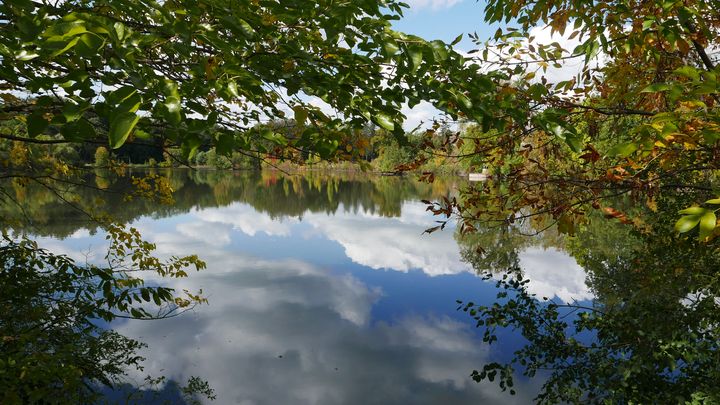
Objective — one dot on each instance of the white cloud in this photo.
(80, 247)
(568, 69)
(431, 4)
(398, 244)
(421, 116)
(80, 233)
(380, 243)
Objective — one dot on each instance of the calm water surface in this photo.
(322, 289)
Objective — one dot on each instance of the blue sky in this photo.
(445, 20)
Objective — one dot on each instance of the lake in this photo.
(322, 289)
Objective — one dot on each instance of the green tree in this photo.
(641, 112)
(649, 336)
(102, 157)
(391, 155)
(53, 349)
(640, 120)
(206, 72)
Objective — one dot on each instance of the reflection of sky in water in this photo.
(344, 308)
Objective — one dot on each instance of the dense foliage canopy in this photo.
(54, 349)
(640, 113)
(650, 335)
(640, 120)
(206, 72)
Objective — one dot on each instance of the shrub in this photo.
(102, 157)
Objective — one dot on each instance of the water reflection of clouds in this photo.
(81, 246)
(244, 218)
(554, 273)
(392, 243)
(396, 244)
(206, 232)
(288, 332)
(370, 240)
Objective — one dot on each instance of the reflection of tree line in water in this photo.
(650, 335)
(42, 211)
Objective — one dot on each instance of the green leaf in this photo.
(570, 138)
(693, 211)
(78, 131)
(64, 30)
(25, 56)
(656, 87)
(119, 95)
(72, 112)
(416, 57)
(225, 143)
(190, 145)
(715, 201)
(274, 137)
(574, 141)
(140, 134)
(326, 147)
(36, 124)
(119, 29)
(120, 128)
(30, 27)
(689, 72)
(707, 224)
(233, 89)
(464, 101)
(245, 28)
(170, 88)
(457, 40)
(385, 121)
(623, 149)
(212, 118)
(439, 50)
(89, 45)
(107, 289)
(686, 223)
(238, 26)
(130, 104)
(172, 110)
(300, 114)
(537, 91)
(391, 47)
(67, 47)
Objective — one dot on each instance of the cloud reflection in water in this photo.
(293, 331)
(288, 332)
(395, 244)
